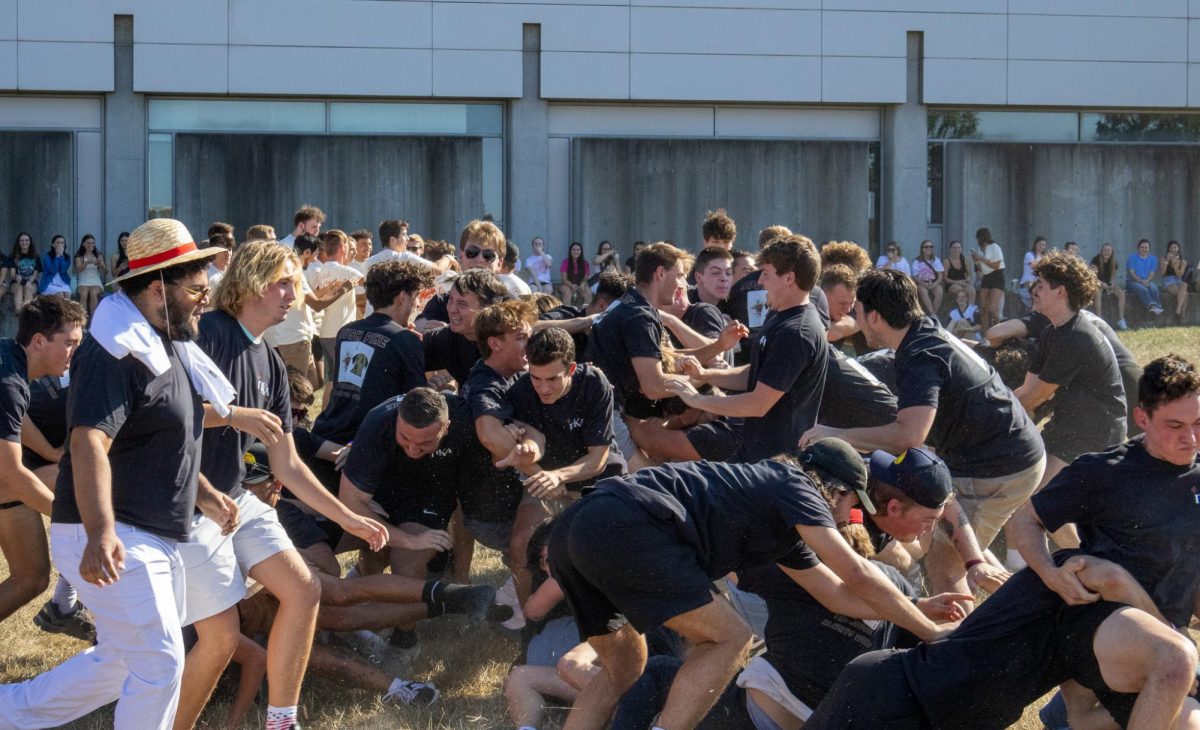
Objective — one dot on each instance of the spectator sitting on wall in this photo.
(1105, 265)
(1170, 273)
(1140, 269)
(930, 276)
(893, 258)
(1035, 253)
(958, 274)
(963, 317)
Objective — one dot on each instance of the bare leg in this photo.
(720, 641)
(217, 640)
(525, 689)
(777, 712)
(926, 304)
(410, 563)
(530, 514)
(1139, 654)
(23, 543)
(288, 579)
(938, 293)
(252, 658)
(345, 667)
(578, 666)
(660, 442)
(1120, 302)
(622, 660)
(370, 616)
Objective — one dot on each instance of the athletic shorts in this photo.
(306, 530)
(716, 440)
(990, 501)
(495, 535)
(210, 570)
(994, 280)
(616, 563)
(32, 460)
(871, 692)
(1077, 628)
(259, 534)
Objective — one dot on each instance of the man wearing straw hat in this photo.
(127, 488)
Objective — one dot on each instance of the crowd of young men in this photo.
(652, 465)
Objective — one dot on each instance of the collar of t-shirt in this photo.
(249, 336)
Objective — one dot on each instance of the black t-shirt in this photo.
(566, 311)
(980, 429)
(14, 382)
(156, 425)
(705, 319)
(1138, 511)
(742, 300)
(789, 354)
(260, 379)
(808, 644)
(734, 515)
(693, 295)
(48, 408)
(446, 350)
(376, 359)
(881, 364)
(435, 309)
(631, 329)
(489, 494)
(400, 484)
(853, 396)
(1036, 322)
(581, 418)
(1089, 404)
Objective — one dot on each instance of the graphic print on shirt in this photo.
(352, 367)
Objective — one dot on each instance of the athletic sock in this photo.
(431, 596)
(65, 598)
(280, 718)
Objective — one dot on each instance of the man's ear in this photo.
(572, 368)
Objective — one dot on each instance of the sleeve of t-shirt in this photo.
(368, 465)
(706, 320)
(489, 401)
(918, 382)
(642, 336)
(597, 426)
(12, 409)
(101, 397)
(1035, 323)
(800, 557)
(788, 357)
(1067, 498)
(937, 266)
(435, 309)
(410, 362)
(1058, 362)
(437, 352)
(563, 268)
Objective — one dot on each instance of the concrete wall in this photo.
(433, 182)
(36, 190)
(1021, 52)
(1090, 194)
(643, 189)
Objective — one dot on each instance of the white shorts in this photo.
(623, 438)
(259, 534)
(760, 675)
(210, 569)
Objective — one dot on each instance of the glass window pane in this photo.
(237, 116)
(933, 205)
(1141, 127)
(160, 180)
(1035, 126)
(493, 176)
(367, 118)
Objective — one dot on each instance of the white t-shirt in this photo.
(901, 265)
(993, 252)
(298, 326)
(360, 267)
(1027, 274)
(515, 285)
(970, 314)
(539, 268)
(343, 311)
(388, 254)
(288, 242)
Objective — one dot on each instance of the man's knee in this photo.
(302, 587)
(30, 582)
(516, 682)
(1173, 660)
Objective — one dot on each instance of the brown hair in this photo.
(483, 233)
(718, 225)
(1059, 268)
(260, 232)
(47, 315)
(770, 233)
(836, 274)
(794, 254)
(847, 253)
(307, 213)
(332, 240)
(1166, 379)
(550, 344)
(499, 319)
(650, 258)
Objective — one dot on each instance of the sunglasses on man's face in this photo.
(197, 295)
(474, 252)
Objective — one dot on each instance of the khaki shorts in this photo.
(989, 502)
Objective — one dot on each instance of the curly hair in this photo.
(848, 253)
(770, 233)
(1062, 269)
(1166, 379)
(718, 226)
(389, 279)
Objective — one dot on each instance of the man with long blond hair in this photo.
(255, 294)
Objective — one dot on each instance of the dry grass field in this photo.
(468, 665)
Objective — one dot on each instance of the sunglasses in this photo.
(197, 295)
(474, 252)
(416, 248)
(893, 250)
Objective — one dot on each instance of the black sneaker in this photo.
(417, 694)
(472, 601)
(76, 623)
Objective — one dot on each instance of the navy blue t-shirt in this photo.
(449, 351)
(980, 429)
(739, 308)
(489, 494)
(853, 396)
(14, 384)
(156, 425)
(705, 319)
(259, 376)
(580, 419)
(1137, 511)
(789, 354)
(631, 329)
(376, 359)
(734, 515)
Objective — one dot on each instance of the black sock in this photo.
(431, 596)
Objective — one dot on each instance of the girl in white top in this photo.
(539, 264)
(962, 317)
(990, 260)
(1032, 256)
(89, 274)
(892, 259)
(928, 272)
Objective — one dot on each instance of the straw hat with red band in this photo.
(159, 243)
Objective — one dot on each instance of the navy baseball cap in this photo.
(923, 477)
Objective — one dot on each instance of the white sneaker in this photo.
(507, 596)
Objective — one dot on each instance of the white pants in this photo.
(138, 660)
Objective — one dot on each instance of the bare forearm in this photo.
(297, 478)
(729, 378)
(586, 468)
(878, 593)
(32, 437)
(1029, 537)
(742, 405)
(957, 527)
(892, 438)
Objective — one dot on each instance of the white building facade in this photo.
(871, 120)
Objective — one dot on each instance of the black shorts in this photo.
(432, 515)
(615, 561)
(871, 692)
(1077, 634)
(994, 280)
(716, 440)
(31, 459)
(306, 530)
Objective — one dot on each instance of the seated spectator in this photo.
(1170, 273)
(958, 274)
(538, 266)
(573, 277)
(1035, 253)
(892, 258)
(1105, 265)
(930, 276)
(56, 269)
(964, 317)
(1140, 269)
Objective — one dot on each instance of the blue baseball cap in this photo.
(921, 476)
